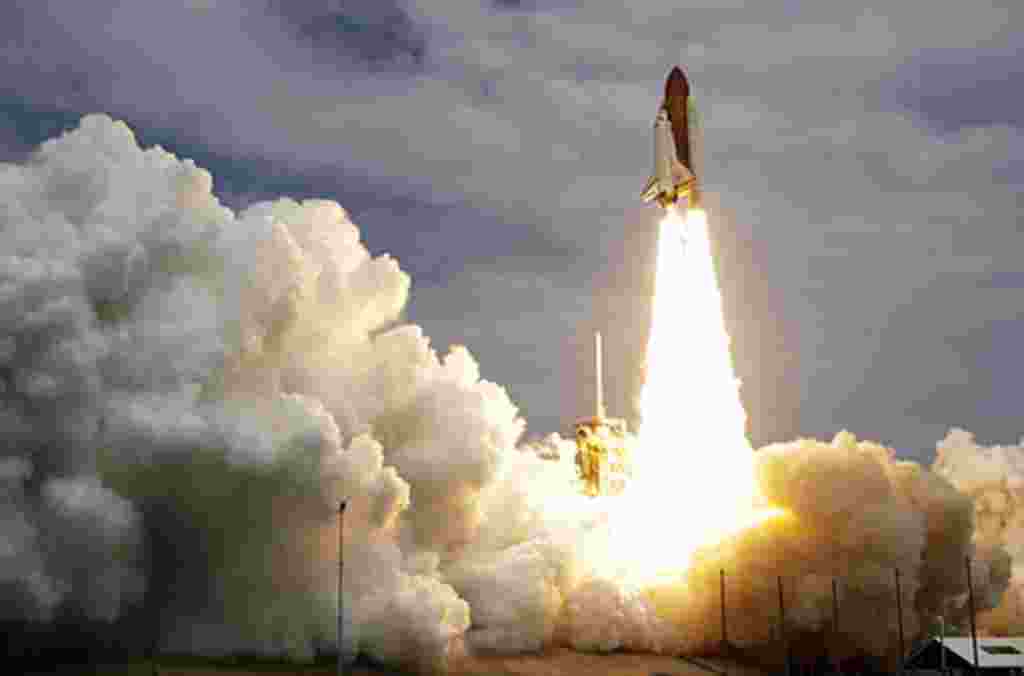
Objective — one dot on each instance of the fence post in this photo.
(782, 627)
(835, 625)
(721, 600)
(970, 607)
(341, 669)
(899, 613)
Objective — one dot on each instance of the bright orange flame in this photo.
(693, 473)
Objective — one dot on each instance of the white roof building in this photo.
(993, 653)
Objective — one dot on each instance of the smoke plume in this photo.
(993, 478)
(854, 514)
(187, 393)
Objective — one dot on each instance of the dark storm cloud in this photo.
(44, 58)
(194, 125)
(472, 235)
(376, 32)
(24, 126)
(500, 170)
(991, 411)
(957, 88)
(1004, 279)
(534, 5)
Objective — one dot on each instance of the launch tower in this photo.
(602, 462)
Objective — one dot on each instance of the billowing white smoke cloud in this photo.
(231, 373)
(71, 259)
(993, 478)
(187, 394)
(854, 514)
(65, 542)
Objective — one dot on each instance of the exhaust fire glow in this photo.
(693, 467)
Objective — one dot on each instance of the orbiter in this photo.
(676, 139)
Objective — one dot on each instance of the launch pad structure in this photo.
(602, 459)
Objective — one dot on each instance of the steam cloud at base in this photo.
(186, 393)
(993, 477)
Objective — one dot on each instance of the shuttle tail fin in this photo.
(650, 190)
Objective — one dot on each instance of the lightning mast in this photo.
(601, 461)
(600, 415)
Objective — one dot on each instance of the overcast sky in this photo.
(865, 167)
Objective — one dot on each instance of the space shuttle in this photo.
(676, 138)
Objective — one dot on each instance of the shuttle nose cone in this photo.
(676, 84)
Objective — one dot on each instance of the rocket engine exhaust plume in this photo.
(808, 512)
(187, 392)
(691, 442)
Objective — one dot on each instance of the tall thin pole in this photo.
(970, 607)
(598, 374)
(721, 601)
(341, 578)
(899, 617)
(835, 624)
(153, 668)
(942, 643)
(782, 625)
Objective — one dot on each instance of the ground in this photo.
(558, 662)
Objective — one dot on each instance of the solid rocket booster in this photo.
(676, 138)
